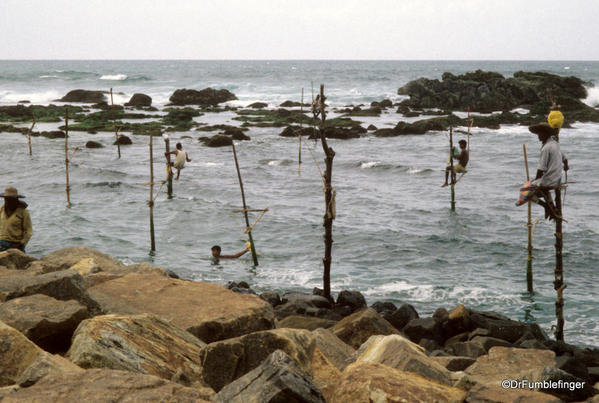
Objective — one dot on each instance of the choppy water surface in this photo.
(395, 237)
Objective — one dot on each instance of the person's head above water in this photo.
(179, 146)
(216, 251)
(463, 143)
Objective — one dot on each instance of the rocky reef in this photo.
(78, 324)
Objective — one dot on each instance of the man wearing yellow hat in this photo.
(15, 222)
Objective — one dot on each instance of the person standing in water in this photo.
(180, 158)
(15, 222)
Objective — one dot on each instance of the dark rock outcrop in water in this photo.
(487, 92)
(205, 97)
(122, 141)
(140, 100)
(85, 96)
(93, 144)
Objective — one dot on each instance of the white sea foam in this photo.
(369, 164)
(593, 97)
(520, 111)
(566, 67)
(274, 163)
(114, 77)
(413, 171)
(213, 164)
(49, 76)
(34, 97)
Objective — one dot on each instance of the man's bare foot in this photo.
(445, 184)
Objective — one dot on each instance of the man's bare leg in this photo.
(178, 173)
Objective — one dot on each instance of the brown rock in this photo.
(105, 385)
(491, 369)
(45, 364)
(368, 382)
(326, 375)
(339, 353)
(226, 360)
(356, 328)
(14, 259)
(67, 257)
(46, 321)
(208, 311)
(496, 394)
(400, 353)
(63, 285)
(139, 343)
(277, 380)
(305, 322)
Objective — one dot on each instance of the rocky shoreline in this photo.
(79, 325)
(522, 99)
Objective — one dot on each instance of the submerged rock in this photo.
(220, 140)
(258, 105)
(122, 140)
(93, 144)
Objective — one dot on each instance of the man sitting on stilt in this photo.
(460, 167)
(552, 163)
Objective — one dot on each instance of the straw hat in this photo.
(11, 192)
(543, 129)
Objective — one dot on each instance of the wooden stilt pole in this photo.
(558, 284)
(29, 137)
(245, 210)
(151, 202)
(116, 131)
(329, 214)
(451, 172)
(529, 258)
(299, 166)
(66, 154)
(169, 171)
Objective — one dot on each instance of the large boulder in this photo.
(63, 285)
(105, 385)
(219, 140)
(85, 96)
(305, 322)
(325, 374)
(497, 394)
(398, 352)
(277, 379)
(520, 364)
(93, 144)
(402, 315)
(139, 100)
(205, 97)
(46, 321)
(22, 362)
(208, 311)
(138, 343)
(14, 259)
(122, 141)
(315, 300)
(369, 382)
(354, 299)
(356, 328)
(338, 353)
(67, 257)
(226, 360)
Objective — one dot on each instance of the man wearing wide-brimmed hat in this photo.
(15, 222)
(552, 163)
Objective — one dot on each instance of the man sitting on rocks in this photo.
(180, 158)
(216, 253)
(15, 222)
(460, 167)
(552, 163)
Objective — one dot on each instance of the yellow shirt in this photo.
(17, 227)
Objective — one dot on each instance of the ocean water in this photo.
(395, 236)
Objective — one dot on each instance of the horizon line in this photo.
(312, 60)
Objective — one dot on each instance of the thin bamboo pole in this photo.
(299, 165)
(116, 132)
(151, 202)
(451, 171)
(29, 137)
(169, 171)
(529, 258)
(245, 209)
(469, 124)
(329, 214)
(66, 154)
(558, 284)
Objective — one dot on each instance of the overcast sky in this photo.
(301, 29)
